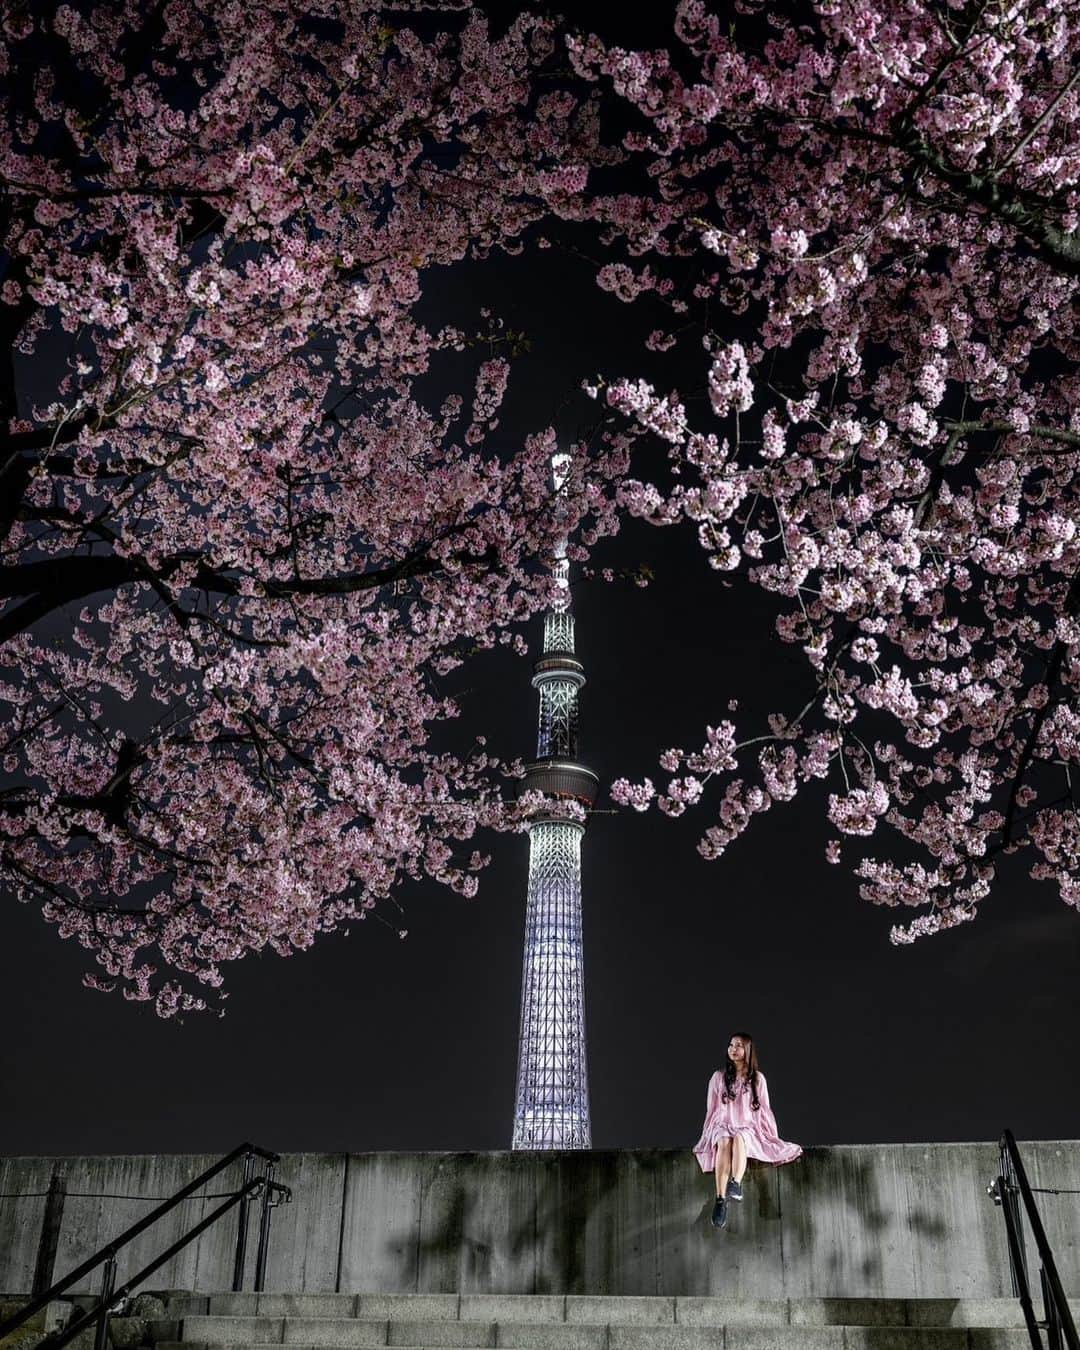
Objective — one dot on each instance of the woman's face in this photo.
(737, 1051)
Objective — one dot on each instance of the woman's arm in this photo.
(713, 1094)
(762, 1091)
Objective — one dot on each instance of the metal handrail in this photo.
(272, 1192)
(1006, 1190)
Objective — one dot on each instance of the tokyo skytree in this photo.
(551, 1110)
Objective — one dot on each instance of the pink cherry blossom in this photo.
(241, 552)
(882, 201)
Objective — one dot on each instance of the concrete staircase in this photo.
(574, 1322)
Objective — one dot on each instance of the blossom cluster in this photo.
(878, 206)
(243, 553)
(256, 550)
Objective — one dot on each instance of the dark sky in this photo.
(371, 1042)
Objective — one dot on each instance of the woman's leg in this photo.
(723, 1165)
(738, 1158)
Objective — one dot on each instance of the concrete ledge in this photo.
(508, 1308)
(662, 1338)
(880, 1221)
(905, 1338)
(745, 1338)
(629, 1310)
(714, 1312)
(983, 1338)
(549, 1337)
(409, 1307)
(783, 1338)
(437, 1334)
(884, 1327)
(827, 1312)
(334, 1331)
(235, 1330)
(293, 1305)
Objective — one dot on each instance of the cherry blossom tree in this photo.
(866, 221)
(243, 547)
(240, 552)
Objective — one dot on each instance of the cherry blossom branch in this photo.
(100, 191)
(1060, 434)
(1056, 245)
(1022, 144)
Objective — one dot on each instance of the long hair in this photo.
(751, 1071)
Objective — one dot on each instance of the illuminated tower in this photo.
(551, 1110)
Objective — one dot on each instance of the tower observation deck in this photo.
(551, 1109)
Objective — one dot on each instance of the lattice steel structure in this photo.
(551, 1110)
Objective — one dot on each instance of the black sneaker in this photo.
(719, 1213)
(734, 1190)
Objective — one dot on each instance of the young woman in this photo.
(739, 1124)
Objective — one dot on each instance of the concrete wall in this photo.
(910, 1220)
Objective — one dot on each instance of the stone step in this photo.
(736, 1337)
(593, 1310)
(329, 1333)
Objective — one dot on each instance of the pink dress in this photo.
(726, 1120)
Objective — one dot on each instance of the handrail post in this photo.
(1051, 1315)
(1046, 1257)
(1010, 1199)
(1009, 1187)
(38, 1301)
(82, 1321)
(1020, 1285)
(106, 1255)
(1060, 1326)
(264, 1226)
(108, 1284)
(242, 1226)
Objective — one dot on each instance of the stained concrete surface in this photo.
(888, 1221)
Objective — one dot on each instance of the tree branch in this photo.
(54, 582)
(1060, 434)
(133, 190)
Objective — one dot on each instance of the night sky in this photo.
(373, 1042)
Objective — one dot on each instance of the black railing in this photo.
(272, 1194)
(1008, 1189)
